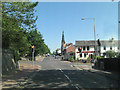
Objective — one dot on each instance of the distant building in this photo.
(85, 49)
(69, 51)
(58, 51)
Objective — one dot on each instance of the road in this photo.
(55, 73)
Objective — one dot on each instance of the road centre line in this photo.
(69, 79)
(65, 75)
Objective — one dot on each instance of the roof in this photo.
(92, 43)
(68, 44)
(85, 43)
(58, 49)
(109, 43)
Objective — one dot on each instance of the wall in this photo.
(8, 63)
(110, 64)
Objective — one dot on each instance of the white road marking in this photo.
(77, 88)
(69, 79)
(61, 70)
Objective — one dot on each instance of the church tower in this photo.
(62, 44)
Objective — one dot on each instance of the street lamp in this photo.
(94, 32)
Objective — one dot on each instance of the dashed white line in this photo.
(65, 75)
(69, 79)
(77, 88)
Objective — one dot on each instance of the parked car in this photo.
(57, 56)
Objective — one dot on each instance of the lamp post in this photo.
(94, 32)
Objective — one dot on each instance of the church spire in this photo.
(63, 40)
(62, 43)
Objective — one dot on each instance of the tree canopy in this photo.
(19, 30)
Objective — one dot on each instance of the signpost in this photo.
(33, 50)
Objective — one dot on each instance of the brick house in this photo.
(69, 51)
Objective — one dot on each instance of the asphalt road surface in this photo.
(55, 73)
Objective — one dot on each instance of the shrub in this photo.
(88, 58)
(77, 59)
(71, 58)
(111, 54)
(99, 57)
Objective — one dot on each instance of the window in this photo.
(111, 48)
(104, 54)
(79, 49)
(81, 55)
(84, 54)
(104, 48)
(84, 48)
(88, 48)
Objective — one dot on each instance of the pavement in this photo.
(26, 70)
(90, 67)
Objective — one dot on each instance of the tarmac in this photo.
(90, 67)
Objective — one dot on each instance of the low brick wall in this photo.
(112, 64)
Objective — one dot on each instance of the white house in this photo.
(85, 49)
(58, 51)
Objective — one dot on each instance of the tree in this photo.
(36, 39)
(17, 19)
(19, 28)
(23, 12)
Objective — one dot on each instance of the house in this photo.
(69, 51)
(108, 45)
(85, 49)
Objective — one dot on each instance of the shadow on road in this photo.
(56, 79)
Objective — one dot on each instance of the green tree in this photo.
(17, 19)
(19, 28)
(36, 39)
(23, 12)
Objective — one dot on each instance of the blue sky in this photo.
(53, 18)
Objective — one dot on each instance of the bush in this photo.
(99, 57)
(71, 58)
(111, 54)
(77, 59)
(88, 58)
